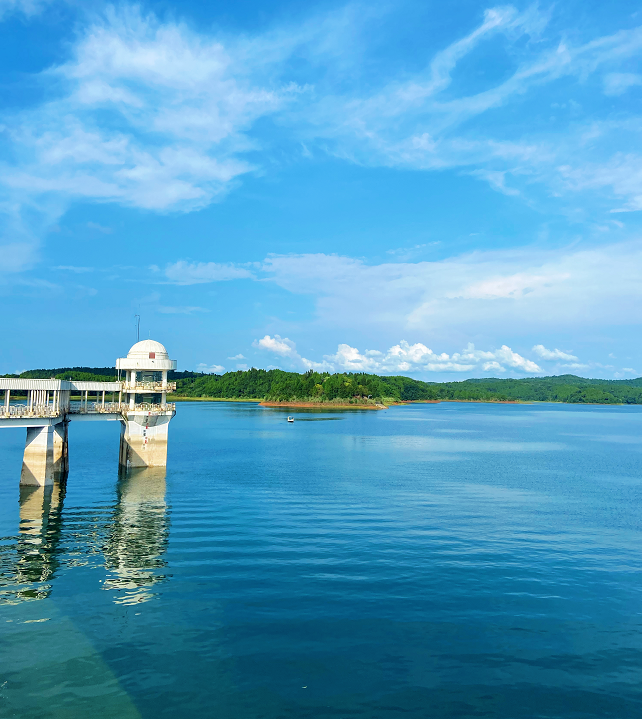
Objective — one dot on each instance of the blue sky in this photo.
(442, 190)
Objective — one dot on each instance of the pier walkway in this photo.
(45, 407)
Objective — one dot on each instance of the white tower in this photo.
(145, 424)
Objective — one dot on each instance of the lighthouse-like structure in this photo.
(145, 412)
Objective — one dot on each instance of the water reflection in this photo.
(138, 536)
(29, 561)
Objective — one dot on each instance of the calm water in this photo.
(450, 560)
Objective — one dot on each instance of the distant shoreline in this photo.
(323, 405)
(337, 405)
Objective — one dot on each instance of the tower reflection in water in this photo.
(137, 540)
(130, 539)
(36, 548)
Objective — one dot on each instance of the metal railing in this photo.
(150, 386)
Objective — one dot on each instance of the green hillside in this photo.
(278, 385)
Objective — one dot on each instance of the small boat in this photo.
(290, 419)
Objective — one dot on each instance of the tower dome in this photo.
(148, 349)
(147, 355)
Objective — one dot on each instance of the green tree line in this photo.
(278, 385)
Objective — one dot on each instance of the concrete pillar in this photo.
(38, 460)
(61, 450)
(7, 400)
(163, 398)
(103, 399)
(143, 440)
(46, 456)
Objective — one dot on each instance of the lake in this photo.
(439, 560)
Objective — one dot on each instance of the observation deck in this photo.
(45, 407)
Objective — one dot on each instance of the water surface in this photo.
(441, 560)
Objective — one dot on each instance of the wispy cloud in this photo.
(26, 7)
(99, 228)
(555, 354)
(185, 107)
(185, 273)
(169, 310)
(73, 268)
(456, 297)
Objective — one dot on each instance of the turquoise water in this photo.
(445, 560)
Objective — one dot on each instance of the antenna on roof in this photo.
(137, 327)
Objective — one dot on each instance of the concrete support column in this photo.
(7, 400)
(163, 399)
(61, 450)
(38, 460)
(103, 399)
(143, 440)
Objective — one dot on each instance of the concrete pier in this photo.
(47, 410)
(143, 439)
(38, 460)
(61, 450)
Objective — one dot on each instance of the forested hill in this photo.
(313, 386)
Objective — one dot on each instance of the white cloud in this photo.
(237, 357)
(99, 228)
(547, 354)
(281, 346)
(492, 292)
(27, 7)
(402, 358)
(184, 273)
(479, 294)
(617, 83)
(210, 369)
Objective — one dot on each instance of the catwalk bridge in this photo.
(139, 402)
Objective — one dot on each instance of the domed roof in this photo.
(148, 349)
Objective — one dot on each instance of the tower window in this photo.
(152, 355)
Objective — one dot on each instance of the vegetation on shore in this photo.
(360, 388)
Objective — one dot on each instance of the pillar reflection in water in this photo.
(29, 563)
(135, 549)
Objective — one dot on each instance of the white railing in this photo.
(148, 407)
(150, 386)
(23, 410)
(115, 407)
(93, 407)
